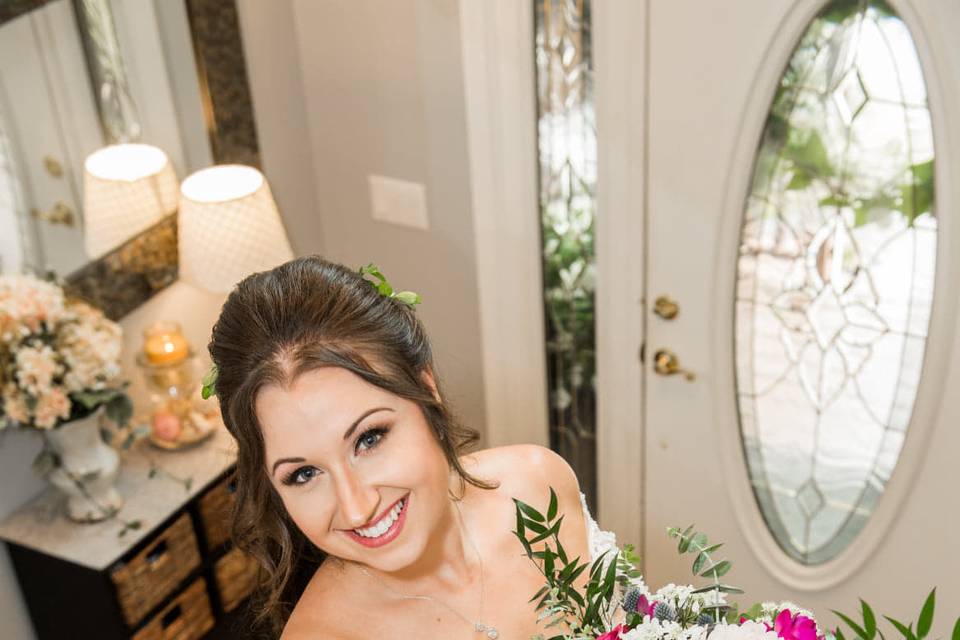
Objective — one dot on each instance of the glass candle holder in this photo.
(171, 371)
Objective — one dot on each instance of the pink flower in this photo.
(613, 634)
(51, 407)
(794, 627)
(645, 607)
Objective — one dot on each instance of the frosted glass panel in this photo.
(835, 278)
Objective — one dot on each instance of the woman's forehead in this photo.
(318, 400)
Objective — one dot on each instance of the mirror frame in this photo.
(126, 277)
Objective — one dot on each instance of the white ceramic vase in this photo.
(88, 468)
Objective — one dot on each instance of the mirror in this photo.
(79, 75)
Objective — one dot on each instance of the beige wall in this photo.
(374, 87)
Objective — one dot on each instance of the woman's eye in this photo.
(302, 475)
(370, 439)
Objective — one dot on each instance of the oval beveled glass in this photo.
(835, 278)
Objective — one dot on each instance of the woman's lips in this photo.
(390, 534)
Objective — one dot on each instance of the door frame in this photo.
(497, 50)
(620, 36)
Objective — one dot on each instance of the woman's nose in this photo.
(356, 500)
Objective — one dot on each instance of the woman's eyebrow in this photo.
(356, 423)
(283, 460)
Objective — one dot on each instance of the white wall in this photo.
(346, 88)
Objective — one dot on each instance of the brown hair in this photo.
(276, 325)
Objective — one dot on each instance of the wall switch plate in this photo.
(398, 201)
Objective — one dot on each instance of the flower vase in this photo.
(87, 469)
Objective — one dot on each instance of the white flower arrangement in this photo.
(615, 603)
(59, 359)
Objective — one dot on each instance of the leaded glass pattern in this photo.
(835, 278)
(567, 145)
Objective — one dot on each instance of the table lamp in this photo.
(229, 227)
(126, 189)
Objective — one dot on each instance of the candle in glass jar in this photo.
(164, 344)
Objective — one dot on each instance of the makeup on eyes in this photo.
(379, 431)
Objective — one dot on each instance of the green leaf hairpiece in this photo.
(384, 288)
(210, 383)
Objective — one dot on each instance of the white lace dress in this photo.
(598, 540)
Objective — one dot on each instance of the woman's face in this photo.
(358, 468)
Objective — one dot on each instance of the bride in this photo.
(347, 448)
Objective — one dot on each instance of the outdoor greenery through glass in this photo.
(567, 147)
(835, 277)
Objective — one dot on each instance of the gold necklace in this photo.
(489, 630)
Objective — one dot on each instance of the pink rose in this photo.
(794, 627)
(613, 634)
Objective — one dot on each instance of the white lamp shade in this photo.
(229, 227)
(126, 188)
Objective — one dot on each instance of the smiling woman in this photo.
(348, 456)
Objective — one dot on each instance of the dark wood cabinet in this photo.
(174, 576)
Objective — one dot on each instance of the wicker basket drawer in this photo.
(154, 573)
(188, 617)
(215, 507)
(236, 575)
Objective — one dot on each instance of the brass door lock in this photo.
(666, 363)
(60, 214)
(666, 308)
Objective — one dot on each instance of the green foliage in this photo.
(384, 288)
(705, 564)
(210, 383)
(867, 629)
(560, 600)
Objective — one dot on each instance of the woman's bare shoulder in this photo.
(526, 472)
(324, 609)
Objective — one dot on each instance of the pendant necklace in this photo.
(488, 630)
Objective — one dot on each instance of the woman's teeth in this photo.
(381, 527)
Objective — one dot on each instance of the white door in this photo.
(49, 125)
(829, 383)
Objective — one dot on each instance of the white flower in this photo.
(749, 630)
(36, 367)
(653, 629)
(674, 593)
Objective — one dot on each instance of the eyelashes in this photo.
(367, 441)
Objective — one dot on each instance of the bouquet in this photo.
(59, 359)
(606, 599)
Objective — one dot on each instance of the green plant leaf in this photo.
(869, 620)
(409, 298)
(699, 562)
(529, 511)
(716, 570)
(904, 630)
(956, 631)
(850, 623)
(725, 588)
(926, 615)
(554, 505)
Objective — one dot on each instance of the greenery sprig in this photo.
(210, 383)
(559, 601)
(382, 286)
(705, 565)
(867, 629)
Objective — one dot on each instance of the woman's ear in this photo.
(427, 376)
